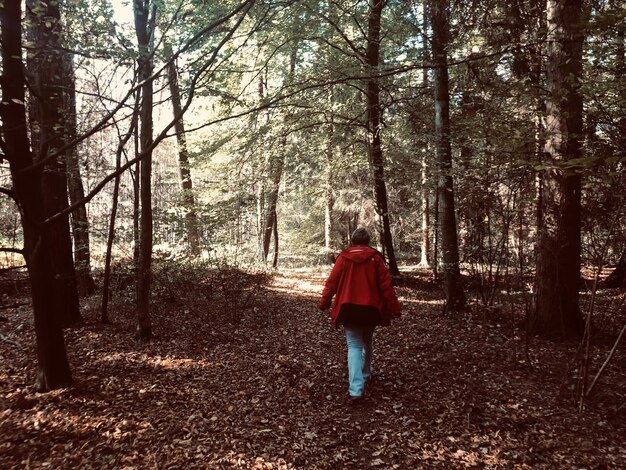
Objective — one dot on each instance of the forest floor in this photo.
(265, 387)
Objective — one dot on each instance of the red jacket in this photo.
(360, 277)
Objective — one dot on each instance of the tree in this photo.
(557, 313)
(54, 370)
(425, 196)
(455, 297)
(48, 126)
(145, 18)
(374, 128)
(76, 190)
(191, 218)
(277, 164)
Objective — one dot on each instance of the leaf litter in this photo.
(265, 387)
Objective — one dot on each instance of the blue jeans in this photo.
(359, 339)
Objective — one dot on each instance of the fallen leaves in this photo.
(265, 388)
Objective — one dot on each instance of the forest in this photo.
(177, 178)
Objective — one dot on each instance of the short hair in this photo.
(360, 237)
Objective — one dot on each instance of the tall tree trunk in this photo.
(260, 189)
(144, 28)
(277, 164)
(104, 314)
(45, 64)
(134, 174)
(620, 71)
(455, 297)
(54, 369)
(275, 261)
(329, 193)
(425, 196)
(374, 127)
(104, 309)
(80, 223)
(191, 219)
(329, 197)
(557, 313)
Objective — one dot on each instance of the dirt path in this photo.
(270, 392)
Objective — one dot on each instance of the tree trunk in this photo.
(276, 170)
(329, 197)
(144, 28)
(277, 164)
(191, 219)
(275, 261)
(80, 223)
(54, 369)
(455, 297)
(557, 314)
(374, 127)
(45, 64)
(425, 240)
(104, 314)
(425, 196)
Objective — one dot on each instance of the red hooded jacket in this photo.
(361, 278)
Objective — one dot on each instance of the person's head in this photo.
(360, 237)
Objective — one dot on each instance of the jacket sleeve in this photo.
(332, 283)
(386, 288)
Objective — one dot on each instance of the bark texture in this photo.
(76, 190)
(455, 297)
(144, 279)
(54, 369)
(191, 219)
(45, 66)
(557, 314)
(374, 127)
(276, 166)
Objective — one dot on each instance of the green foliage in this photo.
(247, 111)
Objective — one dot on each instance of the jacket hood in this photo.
(359, 253)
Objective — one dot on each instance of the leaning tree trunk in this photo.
(374, 127)
(45, 64)
(144, 278)
(557, 313)
(191, 219)
(80, 223)
(455, 297)
(54, 369)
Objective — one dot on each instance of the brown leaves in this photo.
(269, 391)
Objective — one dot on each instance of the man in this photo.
(364, 299)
